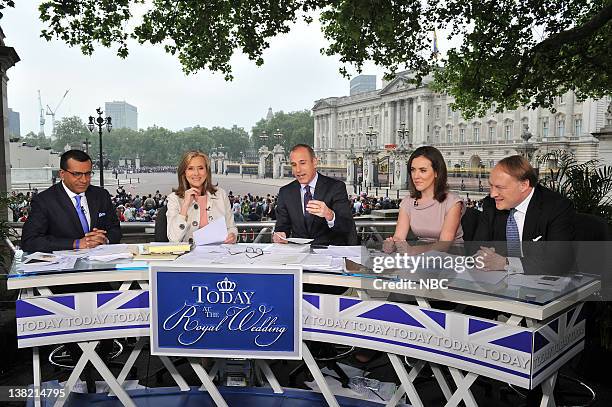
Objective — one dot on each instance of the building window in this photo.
(560, 101)
(339, 125)
(462, 135)
(476, 134)
(507, 132)
(368, 121)
(437, 112)
(491, 133)
(561, 127)
(360, 123)
(436, 136)
(449, 111)
(578, 126)
(376, 120)
(545, 127)
(449, 135)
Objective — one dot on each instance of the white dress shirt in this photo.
(312, 184)
(71, 195)
(514, 263)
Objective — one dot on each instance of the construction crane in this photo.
(41, 132)
(52, 114)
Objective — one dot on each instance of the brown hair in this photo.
(182, 179)
(519, 167)
(439, 166)
(306, 146)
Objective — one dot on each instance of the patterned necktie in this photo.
(82, 218)
(307, 198)
(513, 239)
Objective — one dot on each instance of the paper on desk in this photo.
(77, 253)
(214, 232)
(477, 276)
(540, 282)
(296, 240)
(110, 252)
(42, 257)
(64, 263)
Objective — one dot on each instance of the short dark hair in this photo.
(520, 168)
(78, 155)
(306, 146)
(438, 165)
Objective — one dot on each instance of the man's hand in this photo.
(94, 238)
(318, 208)
(230, 239)
(279, 237)
(491, 260)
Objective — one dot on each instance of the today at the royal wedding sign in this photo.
(226, 311)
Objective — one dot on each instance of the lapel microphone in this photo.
(416, 202)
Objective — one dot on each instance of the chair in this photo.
(161, 225)
(469, 223)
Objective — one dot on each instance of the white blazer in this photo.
(181, 228)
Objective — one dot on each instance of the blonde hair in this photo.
(182, 178)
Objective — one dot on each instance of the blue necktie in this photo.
(307, 198)
(82, 218)
(513, 239)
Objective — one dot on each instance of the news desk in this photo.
(533, 332)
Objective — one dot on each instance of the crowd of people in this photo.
(245, 208)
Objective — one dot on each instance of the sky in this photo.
(293, 76)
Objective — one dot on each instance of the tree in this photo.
(72, 131)
(295, 127)
(512, 52)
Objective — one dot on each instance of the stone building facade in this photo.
(340, 122)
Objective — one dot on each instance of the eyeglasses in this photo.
(251, 252)
(77, 174)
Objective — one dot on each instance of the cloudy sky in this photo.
(293, 76)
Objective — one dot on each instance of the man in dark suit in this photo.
(313, 206)
(71, 214)
(535, 223)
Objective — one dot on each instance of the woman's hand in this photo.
(189, 198)
(389, 245)
(230, 239)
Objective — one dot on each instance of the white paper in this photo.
(489, 277)
(213, 233)
(38, 257)
(296, 240)
(110, 256)
(549, 283)
(64, 263)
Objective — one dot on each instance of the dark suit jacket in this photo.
(53, 223)
(290, 218)
(549, 217)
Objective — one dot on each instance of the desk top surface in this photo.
(476, 288)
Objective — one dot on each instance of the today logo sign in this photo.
(220, 311)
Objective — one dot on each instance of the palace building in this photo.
(424, 117)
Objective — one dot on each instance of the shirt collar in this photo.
(311, 183)
(71, 194)
(522, 207)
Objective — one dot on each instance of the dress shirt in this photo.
(312, 184)
(71, 195)
(514, 263)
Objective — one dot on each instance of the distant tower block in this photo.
(270, 115)
(363, 83)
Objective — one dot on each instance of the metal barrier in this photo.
(249, 232)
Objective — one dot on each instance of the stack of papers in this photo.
(110, 252)
(174, 248)
(61, 263)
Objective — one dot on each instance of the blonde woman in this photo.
(197, 202)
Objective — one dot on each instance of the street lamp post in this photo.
(100, 122)
(86, 145)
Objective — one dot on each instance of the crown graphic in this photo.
(226, 285)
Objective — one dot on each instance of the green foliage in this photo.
(511, 52)
(154, 146)
(296, 127)
(587, 185)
